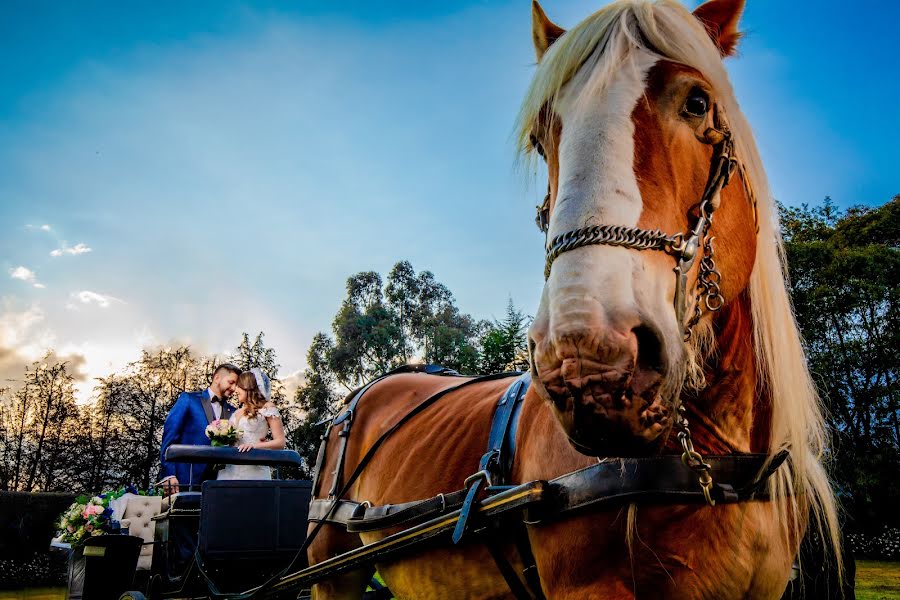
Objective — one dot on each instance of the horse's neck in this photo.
(730, 414)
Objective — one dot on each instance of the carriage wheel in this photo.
(132, 596)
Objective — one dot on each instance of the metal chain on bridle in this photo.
(684, 247)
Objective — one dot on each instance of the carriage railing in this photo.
(183, 453)
(224, 455)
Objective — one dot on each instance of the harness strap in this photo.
(518, 589)
(738, 478)
(502, 439)
(529, 569)
(346, 417)
(495, 465)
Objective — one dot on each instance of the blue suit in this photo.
(186, 424)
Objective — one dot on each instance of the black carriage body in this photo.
(251, 530)
(232, 535)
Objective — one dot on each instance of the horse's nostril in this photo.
(650, 349)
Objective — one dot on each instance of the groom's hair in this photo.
(226, 367)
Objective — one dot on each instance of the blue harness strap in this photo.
(495, 465)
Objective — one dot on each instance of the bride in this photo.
(256, 418)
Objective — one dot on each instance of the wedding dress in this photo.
(252, 431)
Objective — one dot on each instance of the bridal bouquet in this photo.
(222, 433)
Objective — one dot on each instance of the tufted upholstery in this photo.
(139, 512)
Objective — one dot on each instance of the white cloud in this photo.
(74, 250)
(291, 382)
(22, 273)
(89, 297)
(18, 328)
(45, 227)
(27, 275)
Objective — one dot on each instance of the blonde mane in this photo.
(603, 42)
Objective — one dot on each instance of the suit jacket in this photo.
(186, 424)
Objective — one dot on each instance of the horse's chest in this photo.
(675, 552)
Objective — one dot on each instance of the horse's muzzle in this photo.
(606, 389)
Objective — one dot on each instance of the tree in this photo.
(368, 337)
(142, 397)
(844, 270)
(255, 354)
(38, 422)
(504, 345)
(377, 330)
(316, 400)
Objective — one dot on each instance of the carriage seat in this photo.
(138, 517)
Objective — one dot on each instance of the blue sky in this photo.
(229, 164)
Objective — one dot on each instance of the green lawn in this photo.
(34, 594)
(877, 580)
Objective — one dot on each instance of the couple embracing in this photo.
(256, 418)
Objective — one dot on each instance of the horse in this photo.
(665, 303)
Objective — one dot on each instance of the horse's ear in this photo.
(720, 17)
(543, 31)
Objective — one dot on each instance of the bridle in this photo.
(683, 246)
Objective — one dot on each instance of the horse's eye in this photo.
(536, 144)
(696, 104)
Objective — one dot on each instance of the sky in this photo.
(182, 172)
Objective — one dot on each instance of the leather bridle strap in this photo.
(683, 246)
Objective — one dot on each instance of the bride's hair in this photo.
(255, 400)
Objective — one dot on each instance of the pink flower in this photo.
(70, 529)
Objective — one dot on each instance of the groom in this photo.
(186, 424)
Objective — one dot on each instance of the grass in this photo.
(34, 594)
(877, 580)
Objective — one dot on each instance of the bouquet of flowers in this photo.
(86, 517)
(222, 433)
(92, 515)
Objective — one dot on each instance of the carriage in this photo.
(196, 551)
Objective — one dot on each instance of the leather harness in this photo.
(489, 502)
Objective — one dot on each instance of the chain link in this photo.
(692, 459)
(609, 235)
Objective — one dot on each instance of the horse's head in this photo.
(630, 110)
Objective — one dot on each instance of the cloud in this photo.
(74, 250)
(89, 297)
(24, 340)
(43, 227)
(27, 275)
(22, 273)
(291, 383)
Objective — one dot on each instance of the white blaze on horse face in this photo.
(599, 290)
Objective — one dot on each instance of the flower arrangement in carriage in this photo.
(222, 433)
(86, 517)
(91, 516)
